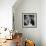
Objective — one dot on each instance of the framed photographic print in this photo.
(29, 20)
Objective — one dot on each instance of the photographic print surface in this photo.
(29, 20)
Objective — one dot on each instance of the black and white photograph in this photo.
(29, 20)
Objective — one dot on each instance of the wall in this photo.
(28, 6)
(43, 22)
(6, 13)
